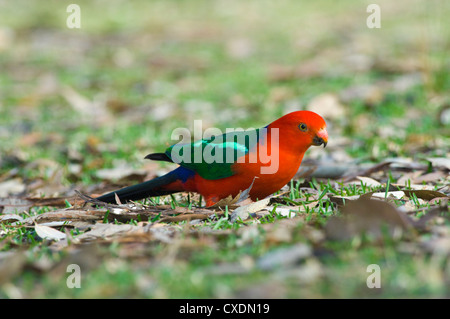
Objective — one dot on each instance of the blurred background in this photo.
(76, 102)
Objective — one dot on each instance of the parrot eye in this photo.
(303, 127)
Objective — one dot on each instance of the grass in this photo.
(157, 66)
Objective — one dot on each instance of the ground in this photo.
(366, 217)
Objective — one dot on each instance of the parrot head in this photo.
(302, 129)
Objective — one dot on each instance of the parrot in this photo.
(259, 161)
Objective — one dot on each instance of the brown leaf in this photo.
(107, 232)
(367, 171)
(424, 194)
(368, 181)
(228, 201)
(9, 217)
(54, 201)
(72, 214)
(341, 200)
(243, 212)
(182, 217)
(440, 162)
(430, 177)
(11, 205)
(367, 216)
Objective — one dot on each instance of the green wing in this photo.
(214, 158)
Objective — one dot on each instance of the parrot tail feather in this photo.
(154, 187)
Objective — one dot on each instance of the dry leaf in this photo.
(440, 162)
(182, 217)
(430, 177)
(10, 217)
(230, 201)
(368, 181)
(395, 194)
(108, 231)
(49, 233)
(11, 205)
(243, 212)
(341, 200)
(408, 178)
(366, 216)
(425, 194)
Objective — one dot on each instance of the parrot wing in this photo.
(212, 158)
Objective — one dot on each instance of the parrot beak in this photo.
(321, 138)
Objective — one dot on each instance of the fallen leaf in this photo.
(368, 181)
(439, 162)
(10, 217)
(243, 212)
(11, 205)
(228, 201)
(367, 216)
(107, 231)
(341, 200)
(367, 171)
(395, 194)
(182, 217)
(285, 211)
(425, 194)
(49, 233)
(408, 178)
(430, 177)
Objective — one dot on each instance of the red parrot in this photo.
(262, 160)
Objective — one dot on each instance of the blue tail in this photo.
(142, 190)
(149, 188)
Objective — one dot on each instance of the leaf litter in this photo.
(379, 212)
(355, 201)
